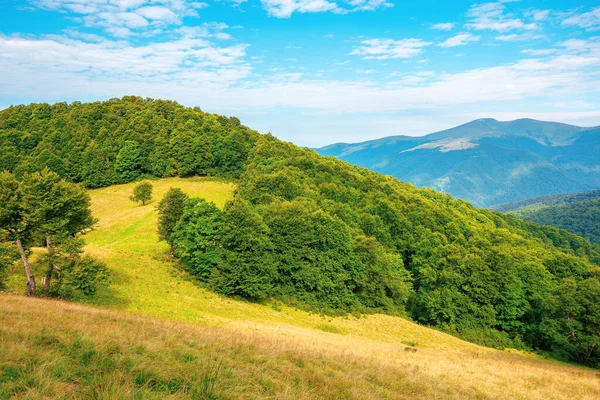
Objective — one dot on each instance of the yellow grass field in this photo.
(165, 335)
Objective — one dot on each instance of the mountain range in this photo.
(486, 161)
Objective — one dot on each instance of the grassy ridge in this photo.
(233, 348)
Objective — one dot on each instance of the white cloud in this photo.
(126, 17)
(285, 8)
(383, 49)
(158, 13)
(589, 20)
(366, 71)
(185, 60)
(491, 16)
(518, 37)
(194, 69)
(444, 26)
(539, 52)
(459, 40)
(540, 15)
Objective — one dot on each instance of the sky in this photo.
(313, 72)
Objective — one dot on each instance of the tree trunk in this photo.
(30, 277)
(46, 279)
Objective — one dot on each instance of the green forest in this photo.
(581, 218)
(321, 234)
(578, 213)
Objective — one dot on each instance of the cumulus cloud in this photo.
(588, 20)
(285, 8)
(383, 49)
(491, 16)
(538, 52)
(444, 26)
(192, 69)
(189, 58)
(126, 17)
(518, 37)
(459, 40)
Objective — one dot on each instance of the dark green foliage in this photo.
(574, 213)
(322, 234)
(573, 322)
(74, 275)
(45, 210)
(247, 267)
(119, 140)
(84, 276)
(170, 210)
(195, 237)
(129, 161)
(142, 192)
(55, 206)
(12, 214)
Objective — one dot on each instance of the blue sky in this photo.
(313, 72)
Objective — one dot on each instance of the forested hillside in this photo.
(322, 234)
(117, 141)
(578, 213)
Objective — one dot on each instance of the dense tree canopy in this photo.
(321, 234)
(170, 211)
(117, 141)
(43, 209)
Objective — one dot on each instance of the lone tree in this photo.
(57, 210)
(14, 225)
(43, 208)
(142, 192)
(170, 210)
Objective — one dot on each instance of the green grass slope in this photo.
(225, 348)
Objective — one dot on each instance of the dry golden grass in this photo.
(241, 349)
(53, 349)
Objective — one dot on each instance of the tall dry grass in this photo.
(54, 349)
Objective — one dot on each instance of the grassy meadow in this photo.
(152, 332)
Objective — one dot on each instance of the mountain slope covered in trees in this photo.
(321, 234)
(578, 213)
(485, 161)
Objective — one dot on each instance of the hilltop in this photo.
(486, 161)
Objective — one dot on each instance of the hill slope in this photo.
(236, 348)
(486, 161)
(82, 352)
(312, 232)
(578, 213)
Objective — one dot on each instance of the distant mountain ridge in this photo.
(548, 201)
(579, 213)
(486, 161)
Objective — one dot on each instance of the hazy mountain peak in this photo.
(487, 161)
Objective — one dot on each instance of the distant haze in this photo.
(486, 161)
